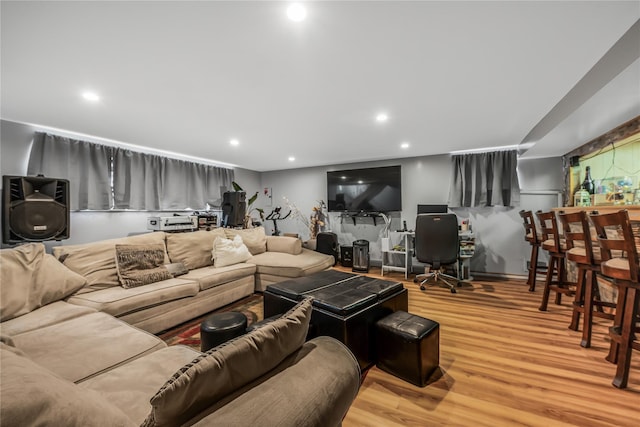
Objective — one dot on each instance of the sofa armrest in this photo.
(284, 244)
(313, 387)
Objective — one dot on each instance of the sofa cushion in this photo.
(228, 367)
(209, 277)
(31, 395)
(254, 238)
(50, 314)
(97, 261)
(193, 249)
(79, 348)
(118, 300)
(229, 251)
(139, 265)
(287, 265)
(131, 386)
(287, 245)
(31, 278)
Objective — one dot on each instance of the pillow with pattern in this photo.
(140, 265)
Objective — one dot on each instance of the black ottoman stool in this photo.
(408, 346)
(221, 327)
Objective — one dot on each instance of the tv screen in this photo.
(365, 190)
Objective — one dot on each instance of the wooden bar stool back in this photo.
(620, 262)
(552, 243)
(586, 255)
(532, 236)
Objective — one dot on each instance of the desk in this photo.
(401, 242)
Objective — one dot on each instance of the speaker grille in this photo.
(34, 208)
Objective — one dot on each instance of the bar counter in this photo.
(634, 210)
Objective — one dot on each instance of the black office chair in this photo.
(436, 244)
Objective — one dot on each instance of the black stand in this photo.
(275, 216)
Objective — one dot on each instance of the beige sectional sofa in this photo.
(158, 306)
(70, 355)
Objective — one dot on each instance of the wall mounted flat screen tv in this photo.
(365, 190)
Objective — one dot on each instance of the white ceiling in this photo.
(189, 76)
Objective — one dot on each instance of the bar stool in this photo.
(580, 249)
(532, 236)
(615, 234)
(552, 243)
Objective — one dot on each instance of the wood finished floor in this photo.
(502, 363)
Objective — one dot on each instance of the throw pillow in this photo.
(31, 279)
(31, 395)
(229, 252)
(139, 265)
(287, 245)
(254, 238)
(192, 249)
(226, 368)
(177, 269)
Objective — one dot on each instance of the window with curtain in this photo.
(485, 179)
(87, 166)
(103, 177)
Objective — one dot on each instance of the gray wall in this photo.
(500, 247)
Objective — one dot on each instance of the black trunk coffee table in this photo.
(346, 306)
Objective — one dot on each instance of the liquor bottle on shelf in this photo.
(588, 184)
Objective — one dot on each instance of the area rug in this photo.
(189, 333)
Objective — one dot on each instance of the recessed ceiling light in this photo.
(382, 117)
(297, 12)
(234, 142)
(291, 158)
(404, 145)
(91, 96)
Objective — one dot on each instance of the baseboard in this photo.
(504, 276)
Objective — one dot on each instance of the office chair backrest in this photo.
(437, 238)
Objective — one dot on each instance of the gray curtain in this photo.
(102, 177)
(183, 184)
(135, 180)
(485, 179)
(149, 182)
(87, 166)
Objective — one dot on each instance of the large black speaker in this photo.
(34, 208)
(327, 243)
(234, 208)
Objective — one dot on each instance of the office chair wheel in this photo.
(453, 291)
(422, 288)
(415, 280)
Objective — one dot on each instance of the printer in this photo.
(172, 223)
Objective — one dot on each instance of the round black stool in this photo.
(221, 327)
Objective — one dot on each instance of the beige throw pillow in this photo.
(229, 252)
(228, 367)
(287, 245)
(31, 279)
(193, 249)
(31, 395)
(139, 265)
(254, 238)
